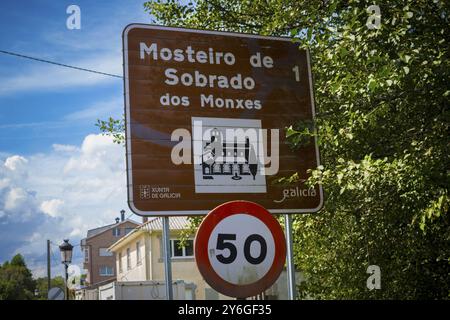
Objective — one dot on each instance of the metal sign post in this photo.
(292, 292)
(167, 262)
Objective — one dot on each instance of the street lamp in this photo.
(66, 258)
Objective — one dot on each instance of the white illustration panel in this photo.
(228, 155)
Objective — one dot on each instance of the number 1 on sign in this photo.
(297, 73)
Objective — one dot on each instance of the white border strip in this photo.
(128, 130)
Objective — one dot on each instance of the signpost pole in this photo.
(66, 267)
(48, 267)
(290, 258)
(167, 262)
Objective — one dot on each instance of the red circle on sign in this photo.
(201, 249)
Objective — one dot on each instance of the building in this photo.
(98, 260)
(139, 258)
(139, 290)
(233, 159)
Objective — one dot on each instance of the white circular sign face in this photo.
(241, 249)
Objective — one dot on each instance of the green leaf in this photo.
(372, 84)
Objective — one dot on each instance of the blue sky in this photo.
(58, 176)
(41, 104)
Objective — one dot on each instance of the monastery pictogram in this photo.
(234, 159)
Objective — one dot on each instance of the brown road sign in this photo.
(206, 121)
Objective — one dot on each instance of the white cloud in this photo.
(15, 198)
(64, 193)
(4, 183)
(98, 154)
(51, 77)
(15, 162)
(64, 147)
(90, 180)
(52, 207)
(26, 125)
(17, 204)
(112, 107)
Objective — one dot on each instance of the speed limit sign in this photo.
(240, 249)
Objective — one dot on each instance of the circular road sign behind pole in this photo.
(56, 293)
(240, 249)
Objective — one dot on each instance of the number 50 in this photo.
(224, 242)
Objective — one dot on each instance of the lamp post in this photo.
(66, 258)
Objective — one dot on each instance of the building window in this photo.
(116, 232)
(128, 230)
(106, 271)
(86, 254)
(128, 259)
(120, 262)
(138, 253)
(103, 252)
(179, 252)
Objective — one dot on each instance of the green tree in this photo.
(382, 99)
(16, 280)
